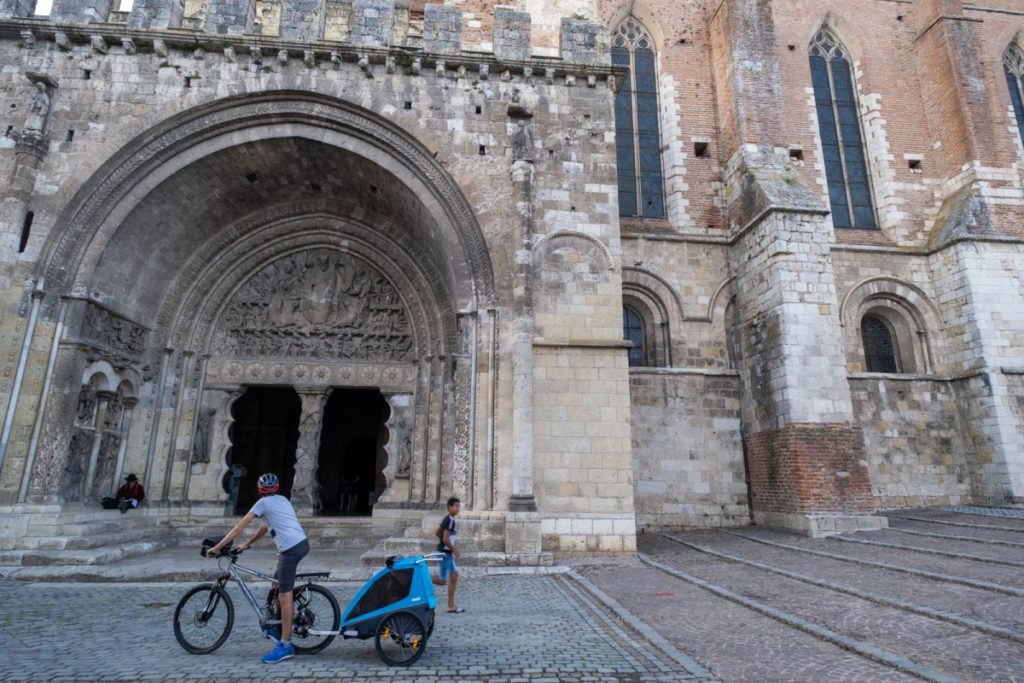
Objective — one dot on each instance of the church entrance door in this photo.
(264, 435)
(350, 471)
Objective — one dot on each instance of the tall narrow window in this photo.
(637, 136)
(1013, 67)
(849, 190)
(26, 229)
(633, 331)
(880, 352)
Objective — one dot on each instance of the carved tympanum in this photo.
(316, 303)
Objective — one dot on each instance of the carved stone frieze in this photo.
(231, 372)
(317, 303)
(112, 332)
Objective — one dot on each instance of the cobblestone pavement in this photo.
(529, 629)
(749, 605)
(750, 611)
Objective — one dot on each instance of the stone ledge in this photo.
(820, 525)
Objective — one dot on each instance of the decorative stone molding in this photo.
(389, 377)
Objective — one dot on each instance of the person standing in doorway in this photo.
(447, 535)
(280, 520)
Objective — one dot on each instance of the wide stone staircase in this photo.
(481, 543)
(76, 534)
(38, 535)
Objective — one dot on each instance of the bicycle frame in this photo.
(234, 572)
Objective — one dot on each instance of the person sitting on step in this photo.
(130, 495)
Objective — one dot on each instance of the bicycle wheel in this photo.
(400, 639)
(315, 610)
(203, 619)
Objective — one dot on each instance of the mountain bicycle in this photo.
(205, 615)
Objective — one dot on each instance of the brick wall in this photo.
(805, 468)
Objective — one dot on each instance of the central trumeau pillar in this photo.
(305, 491)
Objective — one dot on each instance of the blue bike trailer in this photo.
(403, 585)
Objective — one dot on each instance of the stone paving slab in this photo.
(1004, 512)
(515, 628)
(923, 640)
(735, 643)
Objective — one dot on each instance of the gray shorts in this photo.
(287, 563)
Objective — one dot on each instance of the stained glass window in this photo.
(637, 135)
(849, 190)
(879, 345)
(633, 331)
(1013, 67)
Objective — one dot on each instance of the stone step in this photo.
(91, 556)
(155, 534)
(377, 556)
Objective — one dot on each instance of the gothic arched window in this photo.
(637, 134)
(633, 331)
(1013, 67)
(880, 351)
(835, 98)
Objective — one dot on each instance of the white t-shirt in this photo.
(277, 512)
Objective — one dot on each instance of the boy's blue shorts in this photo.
(448, 566)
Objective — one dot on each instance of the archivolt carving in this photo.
(116, 178)
(316, 303)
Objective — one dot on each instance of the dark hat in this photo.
(131, 477)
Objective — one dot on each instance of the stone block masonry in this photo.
(156, 14)
(511, 34)
(442, 29)
(81, 11)
(373, 23)
(584, 42)
(303, 20)
(16, 8)
(230, 17)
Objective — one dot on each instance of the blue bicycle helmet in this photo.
(268, 484)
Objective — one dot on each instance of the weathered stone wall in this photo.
(914, 432)
(687, 451)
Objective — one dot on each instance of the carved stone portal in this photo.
(316, 303)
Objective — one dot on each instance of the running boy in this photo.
(280, 519)
(448, 538)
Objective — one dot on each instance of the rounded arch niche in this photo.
(281, 239)
(96, 216)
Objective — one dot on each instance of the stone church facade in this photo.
(595, 267)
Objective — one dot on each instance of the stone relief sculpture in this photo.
(38, 110)
(318, 303)
(86, 406)
(201, 446)
(112, 332)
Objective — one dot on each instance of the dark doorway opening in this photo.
(350, 469)
(263, 437)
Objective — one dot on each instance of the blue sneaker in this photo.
(279, 654)
(273, 634)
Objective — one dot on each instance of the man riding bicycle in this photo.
(280, 519)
